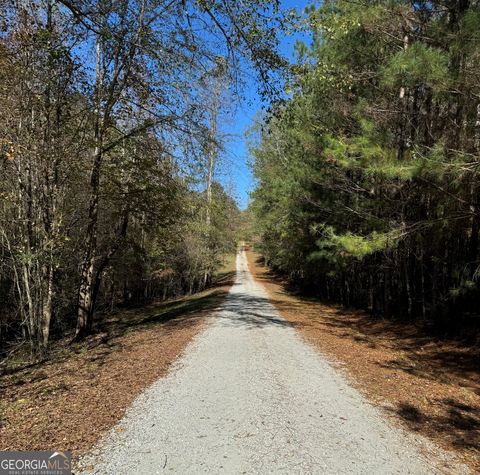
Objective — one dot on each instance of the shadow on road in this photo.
(249, 311)
(448, 412)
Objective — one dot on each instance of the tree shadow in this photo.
(108, 328)
(448, 413)
(177, 312)
(248, 311)
(420, 353)
(458, 422)
(424, 353)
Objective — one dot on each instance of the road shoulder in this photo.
(430, 387)
(71, 400)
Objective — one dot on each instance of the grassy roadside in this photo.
(71, 400)
(430, 386)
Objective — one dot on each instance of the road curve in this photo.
(249, 396)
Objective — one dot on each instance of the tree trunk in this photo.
(47, 306)
(403, 111)
(85, 293)
(122, 232)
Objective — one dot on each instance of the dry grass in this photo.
(70, 401)
(431, 386)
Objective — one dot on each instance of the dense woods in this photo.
(368, 174)
(111, 134)
(108, 153)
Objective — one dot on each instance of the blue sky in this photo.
(235, 173)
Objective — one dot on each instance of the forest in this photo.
(240, 236)
(368, 172)
(366, 158)
(109, 148)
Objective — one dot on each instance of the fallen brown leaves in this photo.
(431, 386)
(70, 401)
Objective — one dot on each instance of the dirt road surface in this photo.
(249, 396)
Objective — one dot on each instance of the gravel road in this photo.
(249, 396)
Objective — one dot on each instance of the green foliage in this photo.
(418, 64)
(354, 245)
(368, 175)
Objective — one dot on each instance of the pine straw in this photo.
(430, 386)
(74, 398)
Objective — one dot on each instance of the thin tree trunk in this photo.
(85, 293)
(106, 260)
(47, 307)
(403, 111)
(212, 156)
